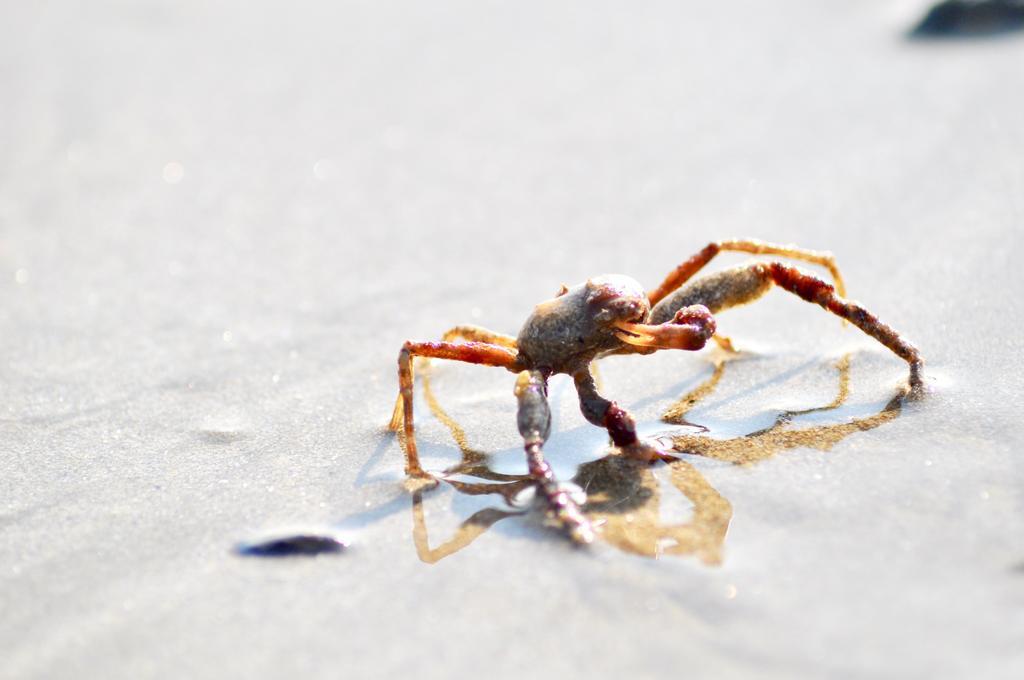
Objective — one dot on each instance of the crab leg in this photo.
(744, 284)
(607, 414)
(685, 271)
(470, 352)
(478, 334)
(534, 421)
(813, 289)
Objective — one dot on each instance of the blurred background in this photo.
(219, 222)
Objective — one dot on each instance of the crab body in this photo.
(564, 334)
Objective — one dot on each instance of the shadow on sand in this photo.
(625, 496)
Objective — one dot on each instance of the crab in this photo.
(613, 315)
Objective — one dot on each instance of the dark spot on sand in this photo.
(970, 19)
(287, 546)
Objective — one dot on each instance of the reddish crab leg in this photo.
(607, 414)
(685, 271)
(813, 289)
(470, 352)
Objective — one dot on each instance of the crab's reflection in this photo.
(625, 495)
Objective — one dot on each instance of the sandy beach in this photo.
(220, 221)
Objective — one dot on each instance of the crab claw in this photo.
(689, 329)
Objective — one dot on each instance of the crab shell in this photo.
(564, 334)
